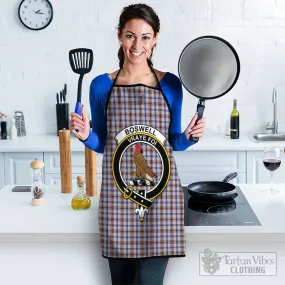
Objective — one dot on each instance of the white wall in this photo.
(34, 65)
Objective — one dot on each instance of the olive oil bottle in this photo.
(235, 121)
(80, 201)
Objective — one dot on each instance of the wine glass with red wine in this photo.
(271, 161)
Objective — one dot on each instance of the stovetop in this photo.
(234, 213)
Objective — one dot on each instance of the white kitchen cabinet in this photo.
(54, 178)
(2, 181)
(257, 173)
(210, 165)
(52, 162)
(209, 176)
(17, 167)
(52, 166)
(192, 166)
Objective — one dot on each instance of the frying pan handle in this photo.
(230, 177)
(235, 195)
(200, 110)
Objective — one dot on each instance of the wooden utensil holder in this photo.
(65, 161)
(90, 172)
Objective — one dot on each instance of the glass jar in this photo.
(37, 182)
(80, 201)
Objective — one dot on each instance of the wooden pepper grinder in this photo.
(65, 161)
(90, 170)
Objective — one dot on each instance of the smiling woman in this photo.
(136, 123)
(137, 47)
(138, 32)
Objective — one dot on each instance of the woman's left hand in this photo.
(195, 130)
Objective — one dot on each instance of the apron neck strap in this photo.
(116, 76)
(150, 69)
(155, 77)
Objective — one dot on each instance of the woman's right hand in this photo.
(80, 123)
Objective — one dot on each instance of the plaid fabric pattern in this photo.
(122, 235)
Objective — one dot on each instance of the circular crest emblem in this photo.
(140, 165)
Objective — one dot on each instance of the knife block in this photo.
(65, 161)
(62, 116)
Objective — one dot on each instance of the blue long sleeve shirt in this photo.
(99, 90)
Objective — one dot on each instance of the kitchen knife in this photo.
(61, 97)
(57, 98)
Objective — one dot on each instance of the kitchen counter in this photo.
(54, 238)
(211, 141)
(18, 216)
(56, 217)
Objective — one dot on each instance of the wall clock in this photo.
(35, 14)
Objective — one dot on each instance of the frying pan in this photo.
(208, 68)
(214, 191)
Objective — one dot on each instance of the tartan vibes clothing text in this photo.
(141, 211)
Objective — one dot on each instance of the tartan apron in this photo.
(141, 208)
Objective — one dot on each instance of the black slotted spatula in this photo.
(81, 62)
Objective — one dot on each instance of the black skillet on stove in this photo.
(208, 68)
(214, 191)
